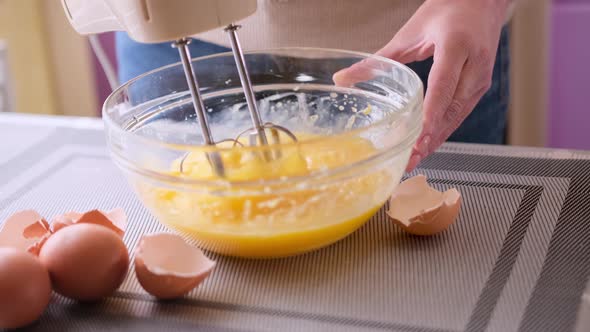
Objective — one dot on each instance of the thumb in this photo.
(400, 49)
(361, 71)
(405, 49)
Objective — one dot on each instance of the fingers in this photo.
(429, 144)
(414, 161)
(443, 81)
(473, 82)
(456, 114)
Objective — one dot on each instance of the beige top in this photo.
(358, 25)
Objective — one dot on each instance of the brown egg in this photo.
(25, 288)
(86, 262)
(25, 230)
(167, 267)
(422, 210)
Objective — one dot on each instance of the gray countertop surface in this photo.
(517, 259)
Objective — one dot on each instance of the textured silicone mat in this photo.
(518, 258)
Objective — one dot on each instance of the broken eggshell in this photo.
(115, 220)
(422, 210)
(37, 229)
(25, 230)
(35, 248)
(61, 221)
(167, 267)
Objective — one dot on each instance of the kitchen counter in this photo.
(517, 259)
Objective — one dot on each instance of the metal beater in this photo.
(256, 133)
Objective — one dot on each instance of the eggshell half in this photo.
(167, 267)
(25, 288)
(422, 210)
(116, 224)
(64, 220)
(35, 248)
(38, 229)
(25, 230)
(118, 217)
(115, 220)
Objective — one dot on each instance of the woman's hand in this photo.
(462, 36)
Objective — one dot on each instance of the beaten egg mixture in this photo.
(284, 220)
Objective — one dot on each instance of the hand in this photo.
(462, 36)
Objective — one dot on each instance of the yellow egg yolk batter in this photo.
(275, 221)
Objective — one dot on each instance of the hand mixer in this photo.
(154, 21)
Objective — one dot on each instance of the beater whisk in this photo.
(257, 134)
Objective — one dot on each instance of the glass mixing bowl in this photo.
(354, 142)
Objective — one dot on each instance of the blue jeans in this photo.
(486, 124)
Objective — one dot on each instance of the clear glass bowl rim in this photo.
(415, 119)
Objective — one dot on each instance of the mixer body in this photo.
(154, 21)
